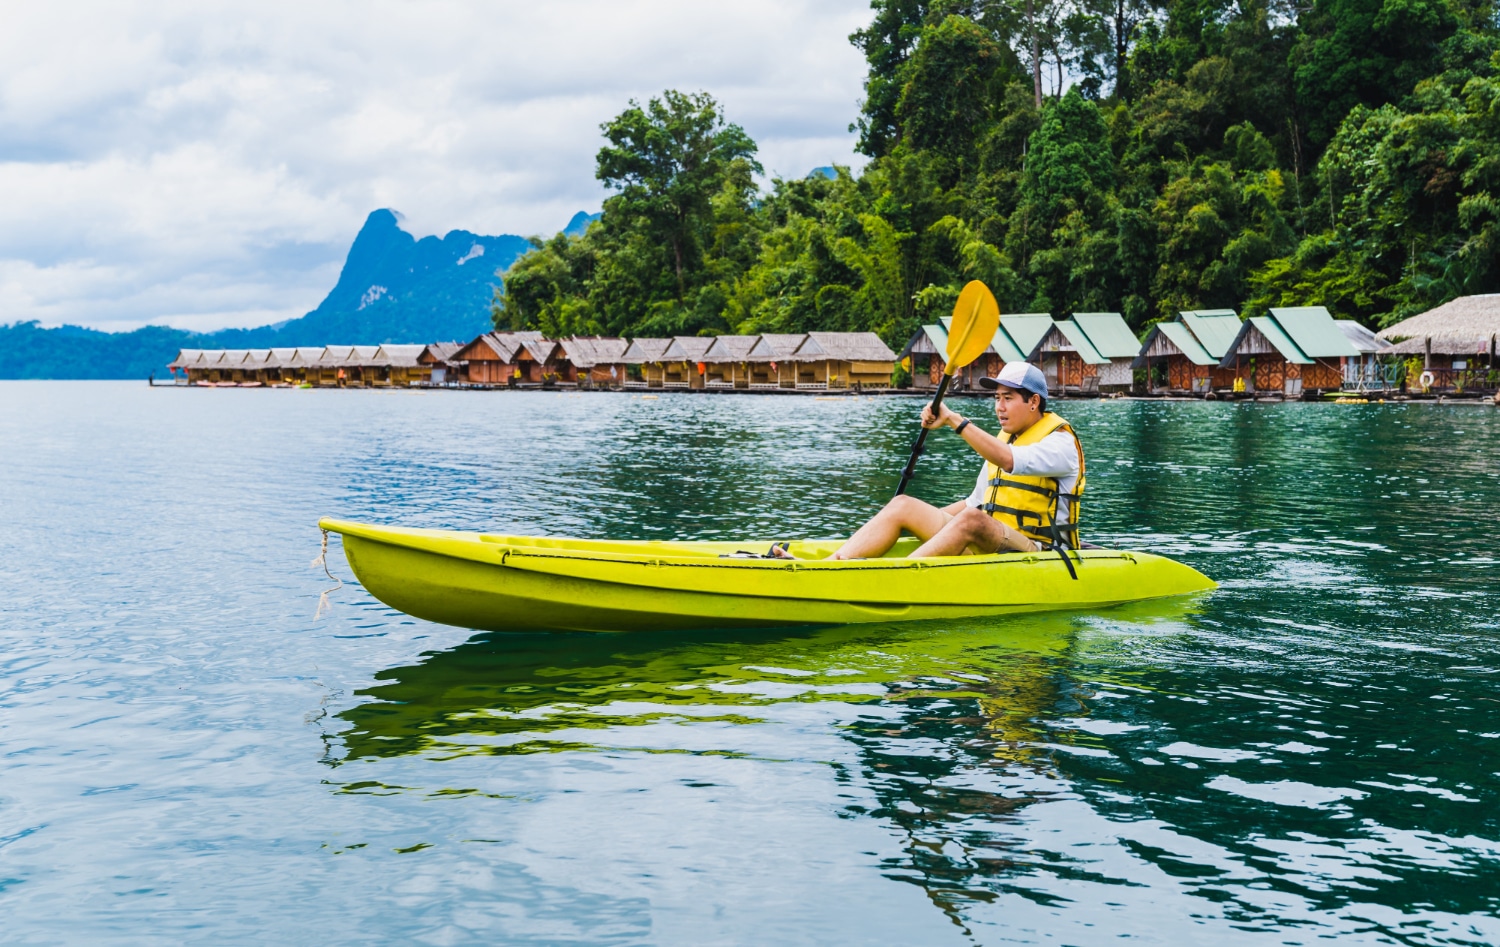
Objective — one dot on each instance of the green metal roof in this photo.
(1187, 343)
(1001, 344)
(1315, 332)
(1005, 348)
(1216, 329)
(1108, 334)
(1279, 340)
(1074, 333)
(1027, 330)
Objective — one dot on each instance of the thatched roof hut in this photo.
(361, 356)
(775, 346)
(730, 348)
(588, 351)
(540, 350)
(398, 356)
(440, 353)
(185, 358)
(645, 351)
(687, 348)
(1467, 325)
(845, 346)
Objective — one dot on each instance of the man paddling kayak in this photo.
(1025, 499)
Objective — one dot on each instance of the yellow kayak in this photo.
(532, 583)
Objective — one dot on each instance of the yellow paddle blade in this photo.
(976, 316)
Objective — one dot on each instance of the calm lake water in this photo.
(187, 754)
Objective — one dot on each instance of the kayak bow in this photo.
(532, 583)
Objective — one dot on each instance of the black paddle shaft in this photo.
(916, 450)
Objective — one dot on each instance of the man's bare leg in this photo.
(973, 527)
(876, 537)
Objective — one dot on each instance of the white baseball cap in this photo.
(1022, 376)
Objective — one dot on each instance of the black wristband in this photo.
(961, 425)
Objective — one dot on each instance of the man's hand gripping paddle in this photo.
(976, 316)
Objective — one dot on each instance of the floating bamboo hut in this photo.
(726, 361)
(682, 362)
(304, 363)
(1068, 360)
(443, 365)
(1190, 348)
(646, 356)
(1366, 372)
(490, 358)
(857, 360)
(359, 366)
(923, 356)
(183, 361)
(1002, 348)
(1111, 337)
(255, 367)
(1291, 350)
(1457, 343)
(540, 361)
(772, 360)
(399, 366)
(596, 362)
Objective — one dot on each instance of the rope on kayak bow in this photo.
(322, 560)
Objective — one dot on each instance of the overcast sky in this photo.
(205, 165)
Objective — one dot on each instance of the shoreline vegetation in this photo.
(1242, 156)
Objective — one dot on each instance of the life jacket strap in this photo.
(1034, 488)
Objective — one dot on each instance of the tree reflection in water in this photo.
(949, 724)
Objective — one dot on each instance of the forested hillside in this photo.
(1343, 153)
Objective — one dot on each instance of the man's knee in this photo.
(904, 506)
(973, 521)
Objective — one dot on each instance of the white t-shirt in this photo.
(1055, 455)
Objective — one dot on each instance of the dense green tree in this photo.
(887, 44)
(668, 161)
(1364, 52)
(677, 226)
(953, 83)
(1214, 154)
(1410, 200)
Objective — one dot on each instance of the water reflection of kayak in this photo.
(531, 583)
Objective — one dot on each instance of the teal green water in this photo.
(1310, 754)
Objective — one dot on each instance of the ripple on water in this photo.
(186, 753)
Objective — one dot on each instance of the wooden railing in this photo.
(1455, 380)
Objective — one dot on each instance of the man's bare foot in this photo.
(779, 551)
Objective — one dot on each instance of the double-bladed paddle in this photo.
(976, 316)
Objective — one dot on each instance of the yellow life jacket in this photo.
(1029, 504)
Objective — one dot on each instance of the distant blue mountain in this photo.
(396, 288)
(393, 288)
(579, 223)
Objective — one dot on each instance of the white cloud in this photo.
(207, 165)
